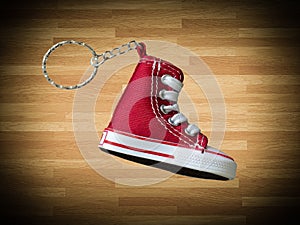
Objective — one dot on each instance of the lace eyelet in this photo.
(188, 133)
(162, 109)
(163, 78)
(199, 147)
(161, 94)
(192, 130)
(172, 123)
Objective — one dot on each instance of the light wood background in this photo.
(253, 51)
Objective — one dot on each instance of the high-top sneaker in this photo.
(147, 123)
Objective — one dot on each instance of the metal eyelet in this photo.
(162, 109)
(162, 94)
(199, 147)
(188, 133)
(163, 78)
(172, 123)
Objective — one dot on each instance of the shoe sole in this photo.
(210, 161)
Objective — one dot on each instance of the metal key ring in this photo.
(59, 44)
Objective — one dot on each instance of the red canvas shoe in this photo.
(147, 123)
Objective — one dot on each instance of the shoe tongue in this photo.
(166, 67)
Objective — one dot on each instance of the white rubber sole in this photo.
(210, 161)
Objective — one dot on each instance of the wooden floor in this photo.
(253, 50)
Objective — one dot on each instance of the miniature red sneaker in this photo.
(147, 123)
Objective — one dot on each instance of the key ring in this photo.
(94, 60)
(59, 44)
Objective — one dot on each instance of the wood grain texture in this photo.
(253, 51)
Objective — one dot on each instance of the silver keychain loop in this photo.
(94, 60)
(59, 44)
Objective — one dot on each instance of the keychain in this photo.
(147, 122)
(94, 60)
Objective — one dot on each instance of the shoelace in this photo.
(172, 96)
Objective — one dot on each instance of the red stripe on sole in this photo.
(220, 154)
(143, 138)
(139, 150)
(158, 141)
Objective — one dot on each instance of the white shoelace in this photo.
(172, 96)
